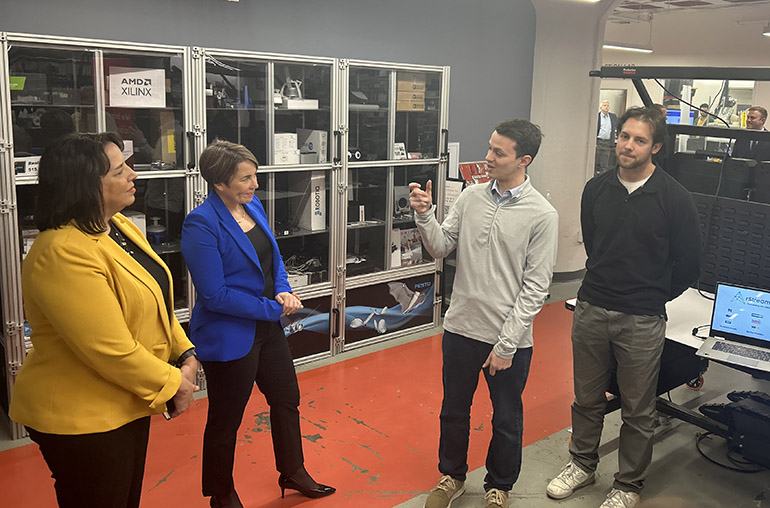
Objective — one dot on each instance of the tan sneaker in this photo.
(496, 498)
(447, 490)
(568, 481)
(620, 499)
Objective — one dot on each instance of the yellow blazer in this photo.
(101, 334)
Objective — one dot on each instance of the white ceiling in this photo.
(643, 10)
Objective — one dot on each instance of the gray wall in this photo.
(489, 44)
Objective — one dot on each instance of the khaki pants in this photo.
(602, 341)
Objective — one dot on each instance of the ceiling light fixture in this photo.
(622, 46)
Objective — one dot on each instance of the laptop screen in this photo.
(741, 314)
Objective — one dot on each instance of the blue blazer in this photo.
(228, 279)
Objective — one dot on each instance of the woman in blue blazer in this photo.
(242, 292)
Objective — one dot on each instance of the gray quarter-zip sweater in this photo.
(505, 259)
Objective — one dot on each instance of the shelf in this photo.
(366, 107)
(366, 224)
(168, 248)
(281, 234)
(408, 219)
(256, 108)
(17, 104)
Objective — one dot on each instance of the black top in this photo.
(643, 248)
(153, 268)
(264, 249)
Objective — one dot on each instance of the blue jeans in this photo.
(463, 358)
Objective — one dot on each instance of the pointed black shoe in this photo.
(288, 482)
(229, 501)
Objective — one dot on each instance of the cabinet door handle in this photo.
(191, 148)
(439, 291)
(336, 329)
(445, 134)
(338, 138)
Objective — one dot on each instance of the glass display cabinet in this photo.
(338, 142)
(395, 133)
(59, 86)
(282, 107)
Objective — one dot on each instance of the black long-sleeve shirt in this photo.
(643, 248)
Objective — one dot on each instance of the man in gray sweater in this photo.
(505, 233)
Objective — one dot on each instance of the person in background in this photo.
(505, 233)
(703, 116)
(606, 132)
(55, 123)
(99, 303)
(242, 291)
(642, 237)
(749, 148)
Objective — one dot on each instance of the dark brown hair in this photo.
(652, 116)
(70, 182)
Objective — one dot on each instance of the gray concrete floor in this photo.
(678, 469)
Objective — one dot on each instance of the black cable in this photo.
(689, 104)
(697, 329)
(731, 459)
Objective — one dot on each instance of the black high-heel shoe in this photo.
(288, 482)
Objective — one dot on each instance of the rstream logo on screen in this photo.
(740, 312)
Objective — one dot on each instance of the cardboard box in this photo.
(307, 199)
(410, 106)
(285, 141)
(310, 140)
(410, 77)
(411, 86)
(284, 157)
(410, 96)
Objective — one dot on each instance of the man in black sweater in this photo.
(642, 237)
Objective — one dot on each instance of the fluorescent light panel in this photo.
(621, 46)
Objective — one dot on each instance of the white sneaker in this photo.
(620, 499)
(568, 481)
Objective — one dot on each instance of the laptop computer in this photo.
(740, 327)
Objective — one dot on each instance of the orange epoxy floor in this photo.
(370, 426)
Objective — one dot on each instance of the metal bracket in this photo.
(342, 188)
(198, 52)
(5, 146)
(6, 207)
(13, 368)
(341, 272)
(344, 63)
(200, 196)
(342, 128)
(3, 36)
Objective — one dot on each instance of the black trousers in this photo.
(270, 365)
(101, 470)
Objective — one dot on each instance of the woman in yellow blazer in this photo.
(99, 303)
